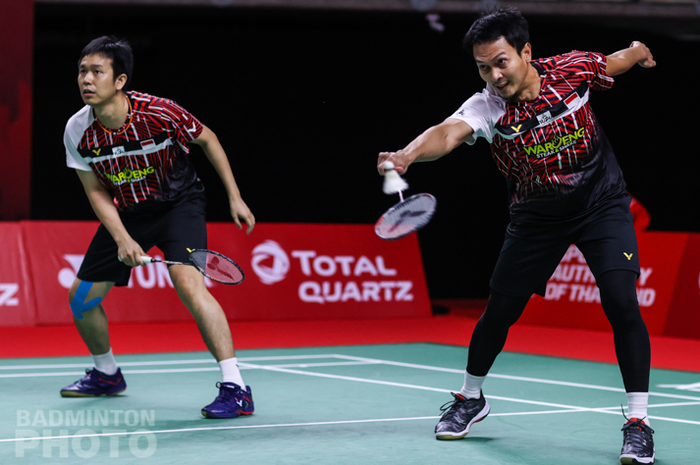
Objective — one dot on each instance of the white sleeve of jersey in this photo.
(71, 138)
(481, 112)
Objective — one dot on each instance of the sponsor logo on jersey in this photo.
(545, 118)
(555, 145)
(127, 175)
(118, 150)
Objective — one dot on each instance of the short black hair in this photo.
(506, 22)
(117, 50)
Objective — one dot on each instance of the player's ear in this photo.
(526, 52)
(120, 82)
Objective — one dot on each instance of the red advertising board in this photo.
(684, 310)
(572, 298)
(293, 271)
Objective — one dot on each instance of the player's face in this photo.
(501, 66)
(96, 80)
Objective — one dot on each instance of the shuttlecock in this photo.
(393, 183)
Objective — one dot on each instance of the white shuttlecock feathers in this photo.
(393, 183)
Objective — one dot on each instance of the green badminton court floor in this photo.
(337, 405)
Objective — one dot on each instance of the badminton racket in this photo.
(213, 265)
(409, 214)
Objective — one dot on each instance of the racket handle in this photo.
(146, 259)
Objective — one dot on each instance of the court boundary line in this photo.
(359, 360)
(301, 425)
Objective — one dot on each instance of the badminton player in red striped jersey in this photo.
(131, 153)
(566, 187)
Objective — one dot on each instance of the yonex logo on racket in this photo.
(406, 216)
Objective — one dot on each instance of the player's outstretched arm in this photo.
(437, 141)
(217, 157)
(102, 203)
(623, 60)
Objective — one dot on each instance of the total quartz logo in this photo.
(270, 262)
(331, 278)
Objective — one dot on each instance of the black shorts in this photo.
(532, 251)
(172, 228)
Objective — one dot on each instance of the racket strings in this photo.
(216, 267)
(406, 217)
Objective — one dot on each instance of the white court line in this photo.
(572, 408)
(360, 360)
(219, 428)
(315, 356)
(121, 364)
(515, 378)
(353, 359)
(162, 362)
(288, 425)
(185, 370)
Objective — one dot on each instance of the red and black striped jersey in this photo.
(143, 162)
(552, 150)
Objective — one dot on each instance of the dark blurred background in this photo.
(303, 100)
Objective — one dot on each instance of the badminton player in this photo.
(566, 187)
(131, 153)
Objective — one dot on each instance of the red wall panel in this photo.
(684, 310)
(16, 286)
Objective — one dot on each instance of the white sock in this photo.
(472, 386)
(637, 403)
(230, 372)
(106, 363)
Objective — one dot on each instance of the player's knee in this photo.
(77, 299)
(187, 281)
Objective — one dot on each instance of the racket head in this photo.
(407, 216)
(217, 267)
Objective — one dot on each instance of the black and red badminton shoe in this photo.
(638, 443)
(459, 415)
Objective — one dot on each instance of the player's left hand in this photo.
(240, 211)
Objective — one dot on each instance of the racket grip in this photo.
(146, 259)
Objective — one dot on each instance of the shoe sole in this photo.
(80, 394)
(632, 460)
(445, 436)
(235, 415)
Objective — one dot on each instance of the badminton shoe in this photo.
(638, 443)
(96, 383)
(459, 415)
(231, 402)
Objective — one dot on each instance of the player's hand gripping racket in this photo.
(213, 265)
(406, 216)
